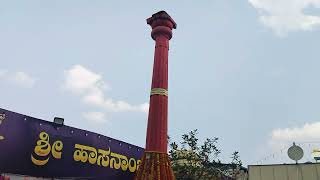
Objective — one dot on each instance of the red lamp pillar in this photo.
(155, 163)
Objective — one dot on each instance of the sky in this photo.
(243, 71)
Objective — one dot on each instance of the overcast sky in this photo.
(244, 71)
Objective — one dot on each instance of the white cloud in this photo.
(81, 80)
(19, 78)
(23, 79)
(98, 117)
(144, 107)
(282, 138)
(307, 133)
(284, 16)
(92, 89)
(275, 150)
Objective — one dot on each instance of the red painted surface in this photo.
(155, 163)
(4, 178)
(157, 130)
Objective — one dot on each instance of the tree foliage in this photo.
(194, 161)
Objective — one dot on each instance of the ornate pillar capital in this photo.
(162, 24)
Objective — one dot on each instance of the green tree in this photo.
(192, 161)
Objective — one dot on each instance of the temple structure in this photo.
(155, 162)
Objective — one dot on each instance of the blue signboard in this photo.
(39, 148)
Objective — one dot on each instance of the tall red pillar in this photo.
(155, 162)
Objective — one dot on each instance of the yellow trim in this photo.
(159, 91)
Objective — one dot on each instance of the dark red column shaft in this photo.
(162, 25)
(155, 163)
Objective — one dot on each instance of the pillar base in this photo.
(155, 166)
